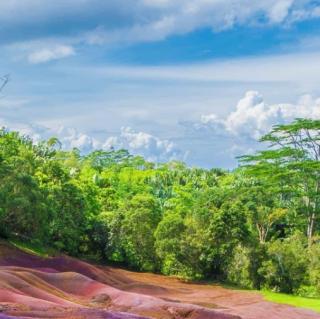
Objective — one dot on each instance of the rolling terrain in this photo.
(64, 287)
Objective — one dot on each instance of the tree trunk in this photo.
(311, 222)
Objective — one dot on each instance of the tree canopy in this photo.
(256, 226)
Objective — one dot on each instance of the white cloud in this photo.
(222, 138)
(163, 18)
(12, 103)
(150, 146)
(147, 20)
(253, 117)
(48, 54)
(137, 143)
(69, 137)
(298, 69)
(209, 118)
(280, 11)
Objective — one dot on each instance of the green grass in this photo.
(302, 302)
(33, 248)
(281, 298)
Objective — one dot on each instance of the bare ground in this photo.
(63, 287)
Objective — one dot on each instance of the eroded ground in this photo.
(62, 287)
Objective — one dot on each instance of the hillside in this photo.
(63, 287)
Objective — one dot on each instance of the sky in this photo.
(199, 81)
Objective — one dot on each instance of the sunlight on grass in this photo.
(32, 248)
(281, 298)
(302, 302)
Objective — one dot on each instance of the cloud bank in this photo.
(253, 117)
(149, 146)
(152, 147)
(95, 21)
(222, 138)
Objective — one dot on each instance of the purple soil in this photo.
(63, 287)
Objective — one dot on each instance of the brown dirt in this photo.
(63, 287)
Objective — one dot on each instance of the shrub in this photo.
(238, 271)
(243, 269)
(287, 265)
(314, 268)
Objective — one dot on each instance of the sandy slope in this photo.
(32, 287)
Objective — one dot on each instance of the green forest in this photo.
(256, 226)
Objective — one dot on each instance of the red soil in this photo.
(63, 287)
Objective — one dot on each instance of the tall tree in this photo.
(293, 163)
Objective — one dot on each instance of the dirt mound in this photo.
(63, 287)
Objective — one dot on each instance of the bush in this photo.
(308, 292)
(243, 268)
(238, 271)
(314, 268)
(169, 235)
(287, 265)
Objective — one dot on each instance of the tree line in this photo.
(256, 226)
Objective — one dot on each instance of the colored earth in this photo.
(64, 287)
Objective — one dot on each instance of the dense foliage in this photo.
(257, 226)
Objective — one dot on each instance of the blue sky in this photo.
(198, 81)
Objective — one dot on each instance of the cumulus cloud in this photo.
(237, 133)
(69, 137)
(137, 143)
(48, 54)
(253, 117)
(152, 147)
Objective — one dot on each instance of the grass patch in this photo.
(281, 298)
(302, 302)
(33, 248)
